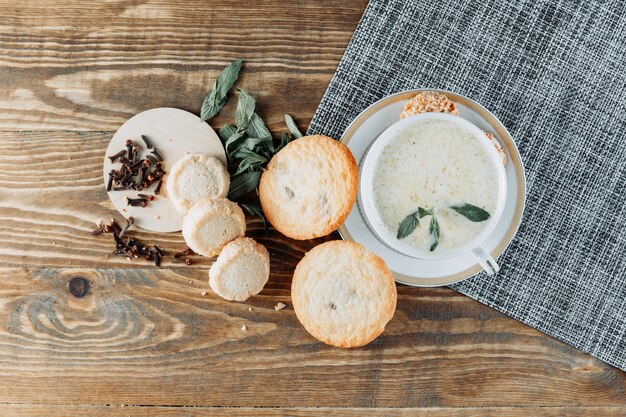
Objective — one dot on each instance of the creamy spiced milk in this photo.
(436, 185)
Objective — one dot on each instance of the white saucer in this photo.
(174, 133)
(366, 128)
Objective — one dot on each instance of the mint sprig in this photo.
(215, 100)
(248, 143)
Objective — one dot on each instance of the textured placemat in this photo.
(554, 72)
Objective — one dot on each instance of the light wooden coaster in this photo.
(174, 133)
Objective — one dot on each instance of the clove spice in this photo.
(137, 173)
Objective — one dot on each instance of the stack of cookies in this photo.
(213, 225)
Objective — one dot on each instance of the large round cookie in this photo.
(343, 294)
(309, 187)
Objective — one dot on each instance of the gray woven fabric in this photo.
(554, 72)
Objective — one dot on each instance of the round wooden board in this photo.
(174, 133)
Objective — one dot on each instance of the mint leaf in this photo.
(257, 129)
(475, 214)
(226, 132)
(245, 110)
(254, 209)
(408, 225)
(291, 125)
(215, 100)
(433, 229)
(284, 141)
(243, 183)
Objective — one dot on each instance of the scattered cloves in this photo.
(157, 190)
(110, 182)
(185, 252)
(129, 222)
(97, 231)
(146, 196)
(146, 141)
(129, 149)
(136, 202)
(117, 156)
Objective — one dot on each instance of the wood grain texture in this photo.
(94, 65)
(149, 336)
(71, 73)
(20, 410)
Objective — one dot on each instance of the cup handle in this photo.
(485, 260)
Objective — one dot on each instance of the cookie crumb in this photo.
(203, 293)
(190, 282)
(249, 308)
(279, 306)
(243, 328)
(54, 243)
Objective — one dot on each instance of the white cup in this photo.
(373, 216)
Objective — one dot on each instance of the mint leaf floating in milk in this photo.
(433, 229)
(473, 213)
(408, 225)
(410, 222)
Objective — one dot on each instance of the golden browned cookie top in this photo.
(309, 187)
(343, 294)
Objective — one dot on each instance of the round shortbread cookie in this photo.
(241, 270)
(211, 224)
(194, 177)
(343, 294)
(309, 187)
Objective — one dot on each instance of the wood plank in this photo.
(25, 410)
(148, 336)
(91, 68)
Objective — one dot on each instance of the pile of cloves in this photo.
(137, 173)
(129, 248)
(133, 248)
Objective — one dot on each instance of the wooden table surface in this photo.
(145, 341)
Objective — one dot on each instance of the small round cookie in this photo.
(211, 224)
(343, 294)
(309, 187)
(196, 176)
(241, 270)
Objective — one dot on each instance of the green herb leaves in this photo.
(410, 222)
(291, 125)
(248, 143)
(245, 109)
(243, 183)
(433, 229)
(473, 213)
(216, 99)
(408, 225)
